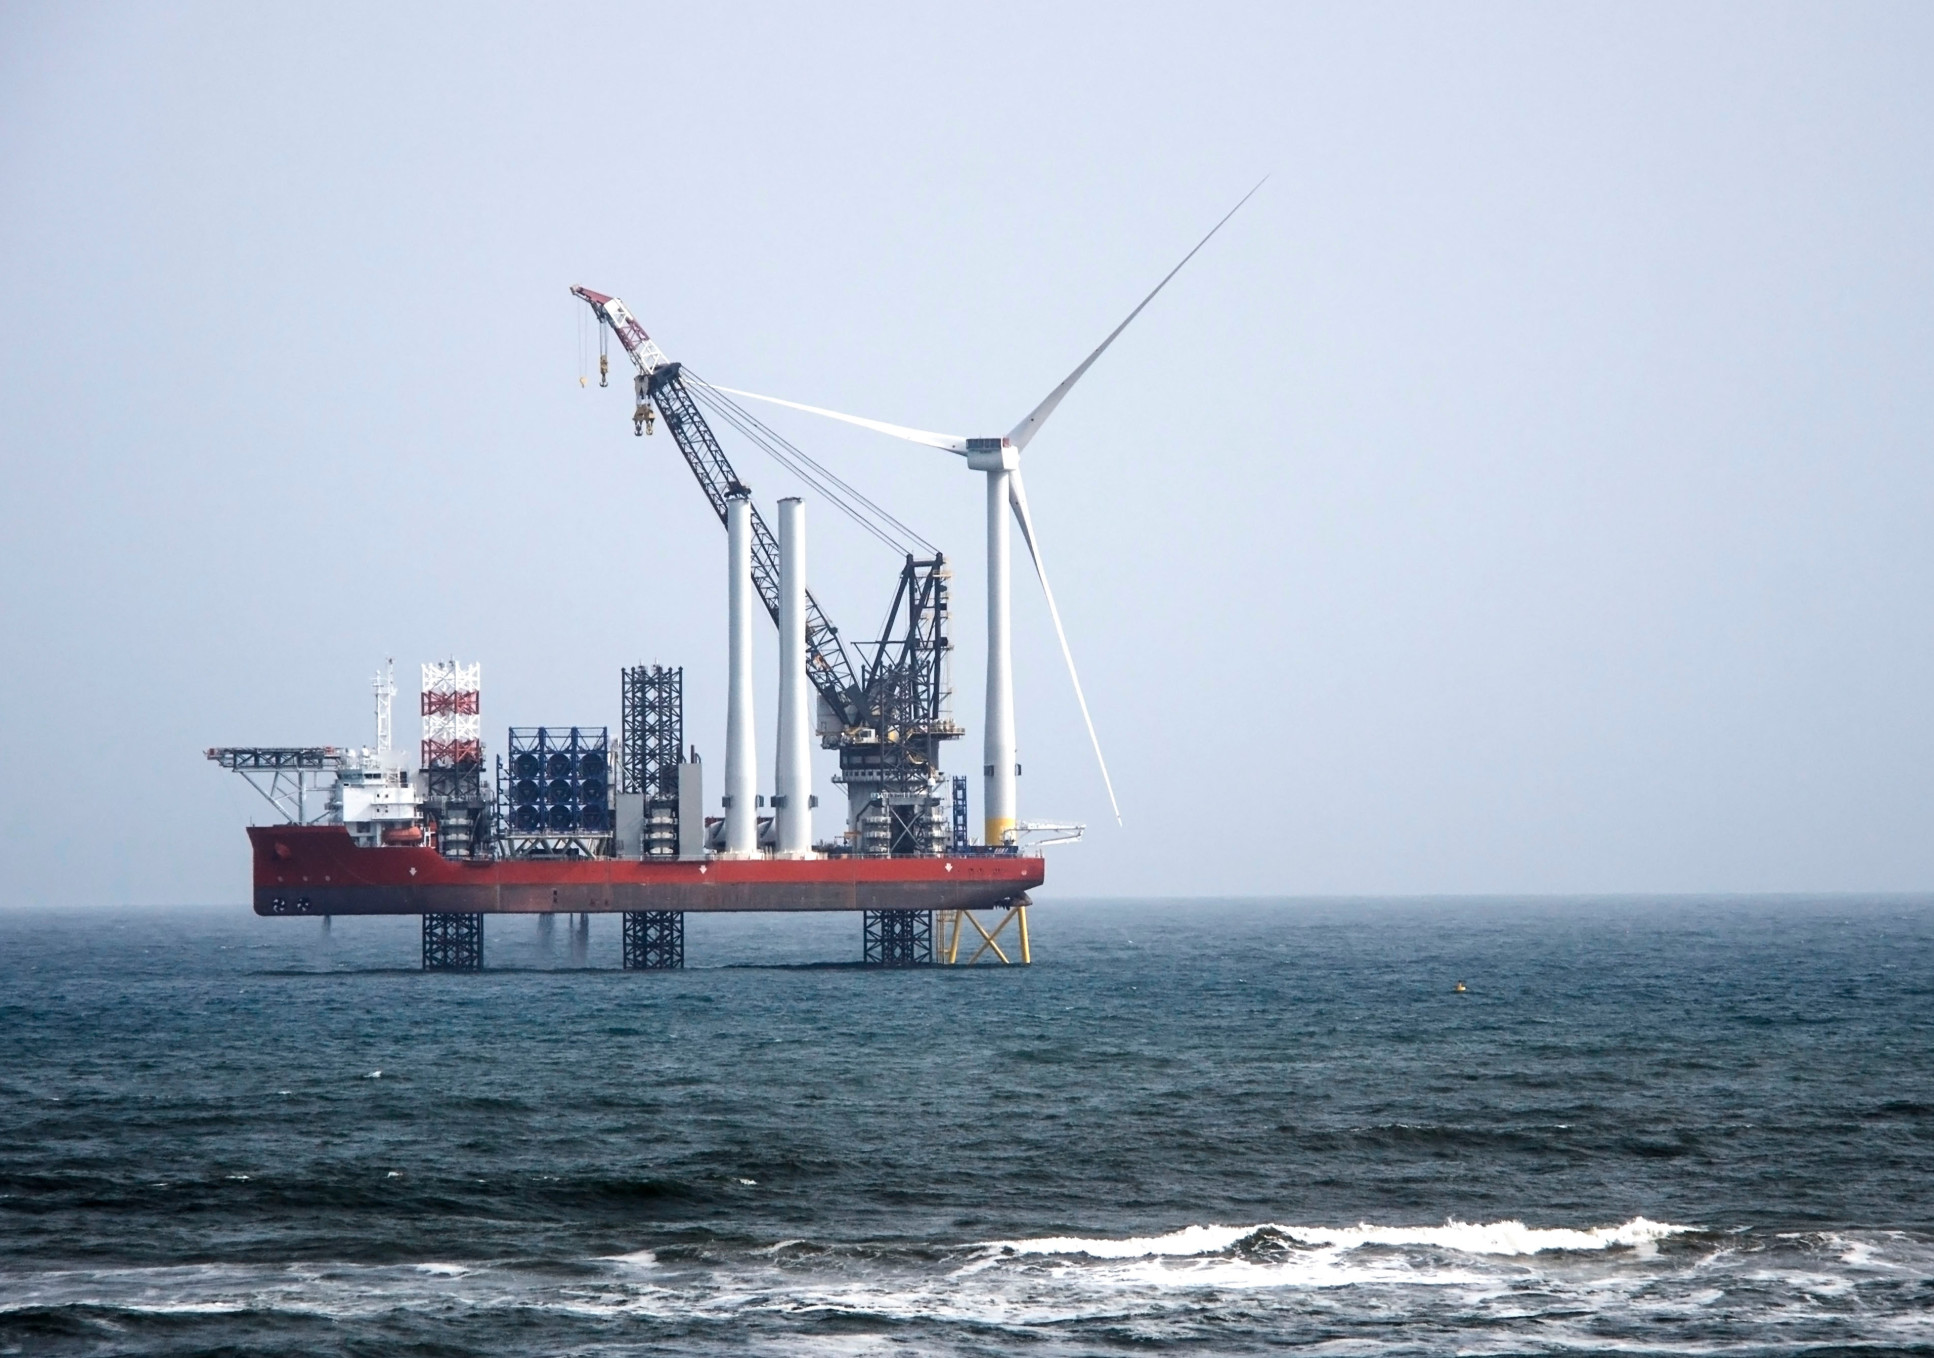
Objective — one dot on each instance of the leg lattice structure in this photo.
(654, 940)
(453, 943)
(898, 938)
(958, 926)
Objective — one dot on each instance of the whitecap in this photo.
(1492, 1238)
(178, 1308)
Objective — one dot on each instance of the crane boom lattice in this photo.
(891, 713)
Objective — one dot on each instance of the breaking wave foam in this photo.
(1492, 1238)
(1595, 1288)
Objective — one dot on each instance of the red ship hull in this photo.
(319, 870)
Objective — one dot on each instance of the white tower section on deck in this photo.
(793, 775)
(741, 772)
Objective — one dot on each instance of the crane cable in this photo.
(852, 511)
(792, 457)
(850, 500)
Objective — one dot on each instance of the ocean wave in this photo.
(1486, 1238)
(1186, 1287)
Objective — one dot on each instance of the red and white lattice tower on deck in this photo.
(452, 716)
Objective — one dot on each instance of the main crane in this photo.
(886, 718)
(662, 381)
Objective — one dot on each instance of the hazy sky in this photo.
(1528, 491)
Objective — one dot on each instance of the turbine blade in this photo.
(1017, 497)
(1024, 432)
(947, 442)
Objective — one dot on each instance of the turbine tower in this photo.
(999, 458)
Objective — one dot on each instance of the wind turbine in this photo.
(1000, 459)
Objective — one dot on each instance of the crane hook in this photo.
(641, 419)
(604, 370)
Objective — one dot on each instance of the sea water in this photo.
(1663, 1126)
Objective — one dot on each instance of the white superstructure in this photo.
(374, 796)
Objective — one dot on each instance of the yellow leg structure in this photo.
(989, 939)
(953, 927)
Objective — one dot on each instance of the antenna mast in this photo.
(385, 686)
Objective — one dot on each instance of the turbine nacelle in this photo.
(992, 455)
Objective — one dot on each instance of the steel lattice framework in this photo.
(262, 759)
(654, 940)
(906, 695)
(898, 938)
(453, 756)
(452, 708)
(285, 775)
(653, 744)
(453, 943)
(653, 729)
